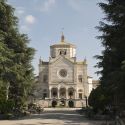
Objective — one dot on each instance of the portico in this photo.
(62, 92)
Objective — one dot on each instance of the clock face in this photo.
(63, 73)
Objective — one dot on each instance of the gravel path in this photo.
(52, 118)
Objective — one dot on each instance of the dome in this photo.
(63, 43)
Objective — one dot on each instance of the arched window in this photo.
(62, 52)
(65, 52)
(80, 95)
(45, 78)
(80, 91)
(44, 93)
(80, 78)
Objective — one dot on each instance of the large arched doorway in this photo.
(71, 103)
(54, 92)
(62, 93)
(71, 93)
(54, 103)
(62, 102)
(62, 96)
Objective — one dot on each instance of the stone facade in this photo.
(63, 81)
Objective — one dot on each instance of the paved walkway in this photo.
(53, 118)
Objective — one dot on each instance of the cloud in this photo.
(20, 11)
(47, 5)
(26, 24)
(30, 19)
(24, 28)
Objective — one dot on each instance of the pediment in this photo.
(62, 61)
(62, 85)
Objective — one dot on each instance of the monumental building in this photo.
(63, 81)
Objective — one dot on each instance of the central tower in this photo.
(63, 48)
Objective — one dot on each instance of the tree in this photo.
(16, 71)
(98, 99)
(113, 56)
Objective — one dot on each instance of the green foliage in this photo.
(16, 71)
(99, 99)
(6, 106)
(112, 60)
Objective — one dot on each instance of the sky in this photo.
(43, 21)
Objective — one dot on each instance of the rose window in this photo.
(63, 73)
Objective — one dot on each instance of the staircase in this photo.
(61, 109)
(120, 121)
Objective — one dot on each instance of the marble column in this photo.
(58, 93)
(66, 93)
(75, 94)
(50, 93)
(67, 97)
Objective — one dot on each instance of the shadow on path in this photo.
(55, 118)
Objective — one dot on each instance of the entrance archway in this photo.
(54, 92)
(62, 92)
(54, 103)
(71, 104)
(63, 102)
(71, 93)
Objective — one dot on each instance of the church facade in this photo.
(63, 81)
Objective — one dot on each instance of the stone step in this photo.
(61, 109)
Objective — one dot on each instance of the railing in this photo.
(119, 121)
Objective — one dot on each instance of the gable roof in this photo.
(60, 57)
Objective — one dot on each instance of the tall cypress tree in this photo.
(113, 56)
(16, 71)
